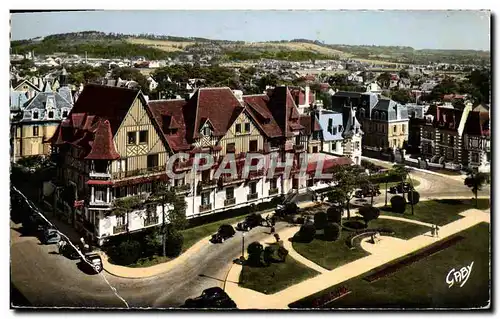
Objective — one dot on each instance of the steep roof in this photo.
(478, 123)
(306, 122)
(169, 115)
(94, 120)
(106, 102)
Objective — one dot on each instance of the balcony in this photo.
(230, 201)
(206, 207)
(182, 189)
(252, 196)
(139, 172)
(100, 203)
(208, 184)
(181, 166)
(150, 221)
(299, 148)
(99, 174)
(255, 174)
(273, 191)
(229, 179)
(268, 148)
(119, 229)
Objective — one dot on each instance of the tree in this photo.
(254, 251)
(126, 205)
(398, 204)
(400, 95)
(348, 179)
(332, 232)
(326, 98)
(475, 181)
(166, 197)
(413, 197)
(384, 79)
(369, 213)
(131, 74)
(320, 220)
(306, 233)
(334, 214)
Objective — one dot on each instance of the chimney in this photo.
(307, 102)
(238, 94)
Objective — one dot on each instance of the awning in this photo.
(99, 182)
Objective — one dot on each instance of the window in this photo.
(238, 128)
(35, 130)
(362, 113)
(330, 126)
(152, 160)
(131, 137)
(121, 165)
(35, 115)
(253, 188)
(247, 127)
(179, 182)
(207, 131)
(205, 175)
(273, 183)
(475, 157)
(120, 220)
(340, 128)
(402, 129)
(120, 192)
(205, 198)
(230, 148)
(394, 128)
(253, 146)
(50, 115)
(452, 141)
(65, 113)
(375, 115)
(230, 193)
(143, 136)
(334, 130)
(315, 149)
(357, 146)
(100, 194)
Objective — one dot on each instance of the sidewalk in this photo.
(147, 272)
(390, 250)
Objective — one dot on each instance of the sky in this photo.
(417, 29)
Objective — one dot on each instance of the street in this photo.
(47, 279)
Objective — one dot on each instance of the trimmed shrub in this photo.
(369, 213)
(226, 230)
(255, 256)
(398, 204)
(173, 245)
(125, 253)
(320, 220)
(275, 253)
(152, 245)
(306, 233)
(332, 232)
(334, 214)
(413, 197)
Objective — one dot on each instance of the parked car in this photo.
(50, 236)
(68, 250)
(213, 297)
(95, 260)
(400, 188)
(287, 209)
(251, 221)
(367, 192)
(225, 231)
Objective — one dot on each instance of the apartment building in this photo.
(34, 120)
(114, 144)
(477, 150)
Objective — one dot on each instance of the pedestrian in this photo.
(61, 245)
(433, 231)
(373, 238)
(277, 237)
(437, 231)
(272, 229)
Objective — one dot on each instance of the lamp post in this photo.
(242, 246)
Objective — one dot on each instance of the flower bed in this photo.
(406, 261)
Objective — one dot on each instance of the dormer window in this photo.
(340, 128)
(50, 115)
(375, 115)
(65, 113)
(362, 113)
(35, 115)
(206, 131)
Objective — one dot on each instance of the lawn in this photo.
(439, 211)
(423, 283)
(275, 277)
(331, 255)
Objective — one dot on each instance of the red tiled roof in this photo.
(257, 106)
(448, 118)
(328, 163)
(305, 121)
(103, 146)
(166, 112)
(219, 105)
(94, 119)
